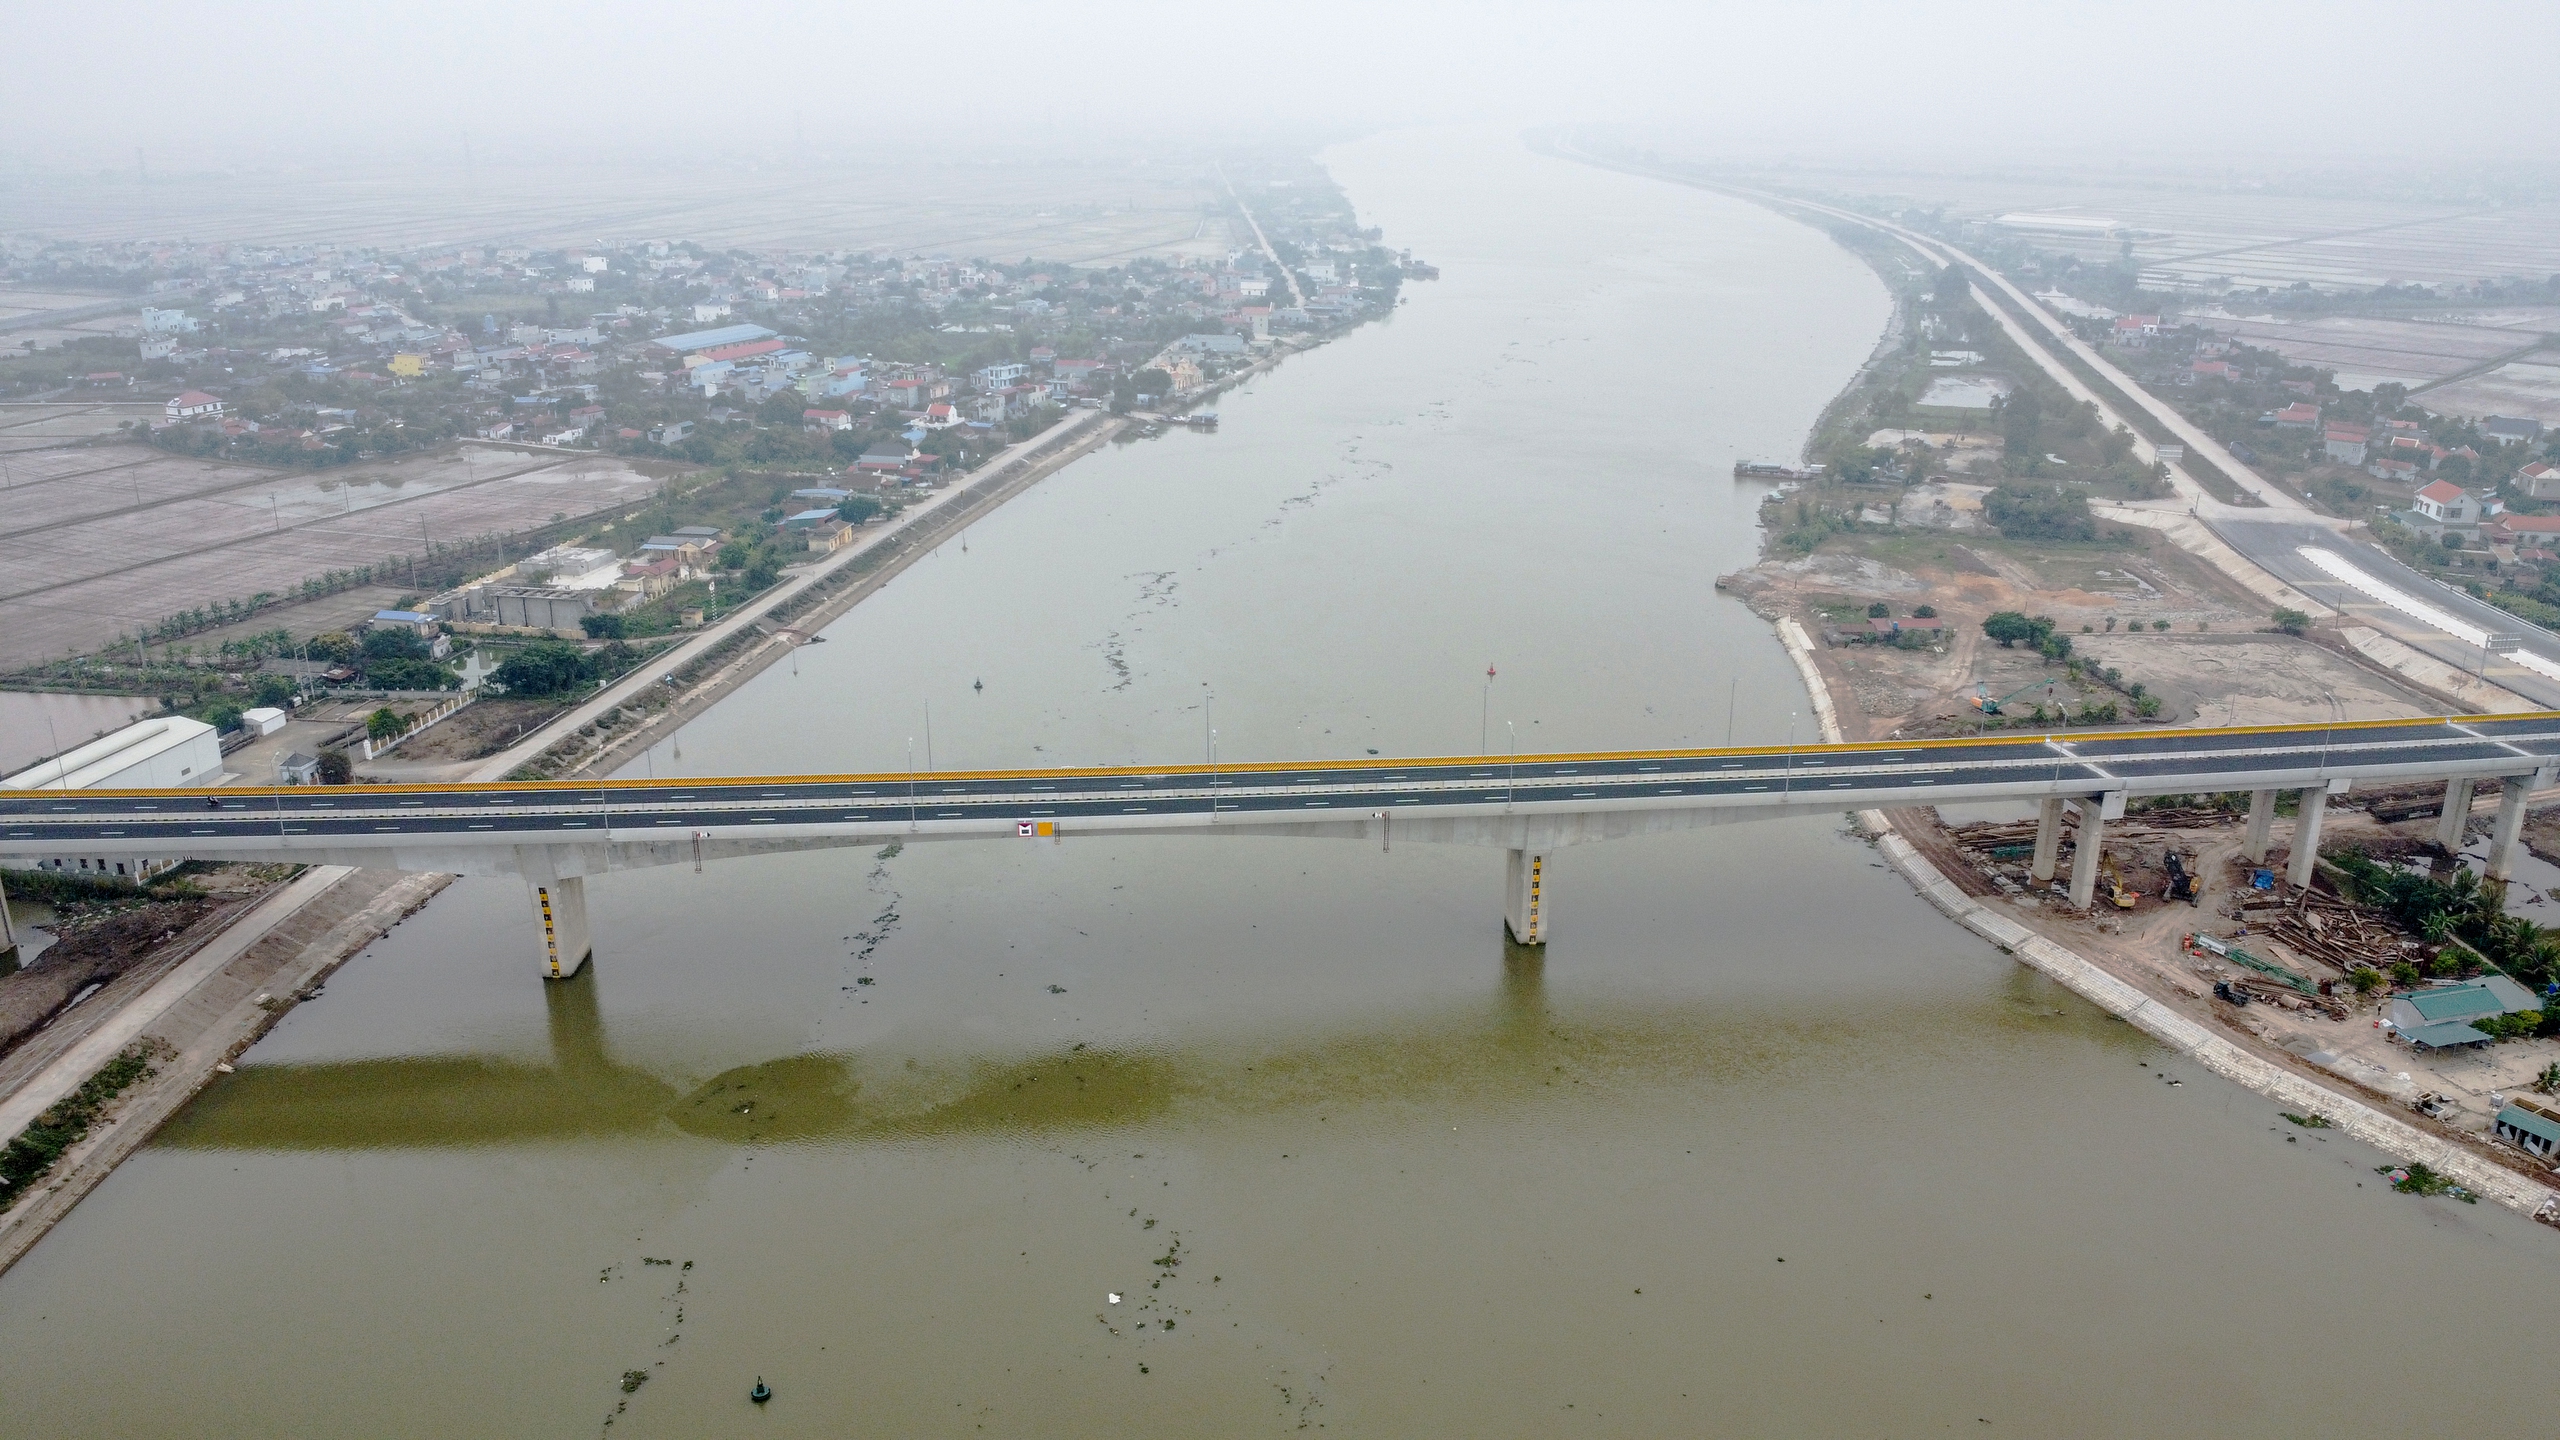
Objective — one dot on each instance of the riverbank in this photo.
(197, 1017)
(2135, 987)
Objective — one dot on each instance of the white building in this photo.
(164, 753)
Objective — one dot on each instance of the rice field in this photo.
(2367, 350)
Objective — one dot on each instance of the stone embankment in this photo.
(206, 1011)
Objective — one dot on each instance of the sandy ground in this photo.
(2229, 672)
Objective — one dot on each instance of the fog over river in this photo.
(1763, 1147)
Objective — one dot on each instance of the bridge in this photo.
(554, 834)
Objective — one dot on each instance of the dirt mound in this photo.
(90, 952)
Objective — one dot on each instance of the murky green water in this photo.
(1762, 1147)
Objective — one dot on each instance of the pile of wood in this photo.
(2149, 827)
(2319, 926)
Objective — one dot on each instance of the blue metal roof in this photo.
(705, 339)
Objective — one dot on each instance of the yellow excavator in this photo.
(2117, 892)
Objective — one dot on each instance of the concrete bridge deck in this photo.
(553, 833)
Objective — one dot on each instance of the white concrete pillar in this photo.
(1524, 910)
(2262, 820)
(8, 935)
(2048, 838)
(560, 906)
(2457, 813)
(560, 909)
(2512, 793)
(2310, 806)
(2088, 847)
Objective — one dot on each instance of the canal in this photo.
(1762, 1147)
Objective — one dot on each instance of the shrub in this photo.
(2292, 622)
(1924, 612)
(604, 627)
(336, 768)
(2039, 512)
(1879, 610)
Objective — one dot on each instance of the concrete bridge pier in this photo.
(2262, 821)
(1524, 909)
(2048, 838)
(2088, 847)
(560, 908)
(2509, 826)
(8, 937)
(2310, 807)
(2457, 813)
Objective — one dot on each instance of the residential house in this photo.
(2539, 532)
(826, 420)
(2443, 501)
(885, 455)
(2508, 430)
(832, 534)
(940, 416)
(2212, 370)
(670, 432)
(808, 519)
(1214, 344)
(2345, 444)
(2539, 481)
(191, 405)
(2297, 416)
(996, 377)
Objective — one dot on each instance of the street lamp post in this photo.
(1512, 784)
(911, 782)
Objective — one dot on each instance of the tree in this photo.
(336, 768)
(274, 690)
(603, 627)
(1879, 610)
(858, 508)
(545, 667)
(2040, 512)
(2011, 626)
(385, 723)
(2292, 622)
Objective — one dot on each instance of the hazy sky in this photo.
(205, 82)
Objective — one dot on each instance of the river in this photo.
(1762, 1147)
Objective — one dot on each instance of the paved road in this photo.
(2277, 545)
(1812, 777)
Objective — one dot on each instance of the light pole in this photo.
(1213, 777)
(1732, 693)
(1786, 783)
(911, 782)
(1484, 714)
(1512, 784)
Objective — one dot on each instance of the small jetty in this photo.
(1771, 470)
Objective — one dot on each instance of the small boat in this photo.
(761, 1393)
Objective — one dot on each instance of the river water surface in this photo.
(1762, 1147)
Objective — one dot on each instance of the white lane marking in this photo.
(2416, 609)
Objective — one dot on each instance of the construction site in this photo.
(2341, 976)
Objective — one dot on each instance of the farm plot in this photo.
(87, 562)
(2527, 389)
(1070, 211)
(2366, 350)
(41, 427)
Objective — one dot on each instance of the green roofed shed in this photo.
(2444, 1032)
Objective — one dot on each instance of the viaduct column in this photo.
(2048, 838)
(2262, 819)
(2512, 793)
(1524, 908)
(2457, 813)
(560, 909)
(2088, 847)
(2312, 805)
(8, 936)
